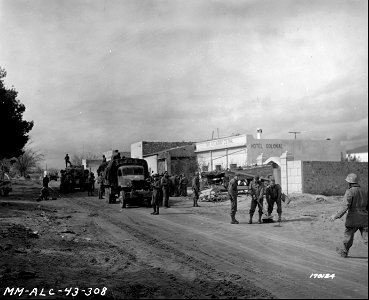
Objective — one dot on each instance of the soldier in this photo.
(67, 161)
(91, 182)
(183, 182)
(100, 181)
(156, 194)
(104, 159)
(45, 181)
(232, 192)
(196, 189)
(355, 203)
(273, 194)
(116, 155)
(256, 189)
(165, 183)
(172, 185)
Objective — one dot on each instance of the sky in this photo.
(101, 75)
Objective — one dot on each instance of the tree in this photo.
(28, 160)
(13, 129)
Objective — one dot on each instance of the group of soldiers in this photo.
(257, 191)
(355, 204)
(165, 186)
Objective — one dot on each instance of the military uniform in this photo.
(273, 195)
(256, 189)
(232, 192)
(183, 184)
(156, 195)
(196, 190)
(165, 182)
(355, 203)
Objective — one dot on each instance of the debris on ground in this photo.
(213, 194)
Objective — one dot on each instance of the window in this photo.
(132, 170)
(205, 168)
(218, 167)
(233, 166)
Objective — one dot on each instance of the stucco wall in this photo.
(328, 178)
(312, 150)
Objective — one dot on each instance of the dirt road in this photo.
(185, 252)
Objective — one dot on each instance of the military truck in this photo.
(73, 177)
(126, 179)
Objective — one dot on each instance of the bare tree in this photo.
(28, 160)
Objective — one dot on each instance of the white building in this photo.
(244, 150)
(359, 154)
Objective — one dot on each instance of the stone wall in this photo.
(328, 178)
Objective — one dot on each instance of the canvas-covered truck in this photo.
(127, 180)
(73, 177)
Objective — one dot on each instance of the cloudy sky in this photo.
(96, 75)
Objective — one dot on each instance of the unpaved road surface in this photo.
(185, 252)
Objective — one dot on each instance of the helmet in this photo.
(352, 178)
(257, 178)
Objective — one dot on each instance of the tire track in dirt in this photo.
(296, 258)
(175, 260)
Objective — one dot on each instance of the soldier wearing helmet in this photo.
(256, 189)
(232, 193)
(156, 194)
(196, 189)
(355, 203)
(273, 193)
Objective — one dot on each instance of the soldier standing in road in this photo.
(273, 194)
(256, 189)
(156, 194)
(183, 182)
(165, 182)
(232, 193)
(104, 159)
(67, 161)
(355, 203)
(196, 189)
(100, 181)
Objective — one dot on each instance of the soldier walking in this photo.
(165, 183)
(256, 189)
(232, 193)
(355, 203)
(196, 189)
(273, 194)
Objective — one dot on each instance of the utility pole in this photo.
(295, 132)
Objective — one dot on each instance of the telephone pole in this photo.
(295, 132)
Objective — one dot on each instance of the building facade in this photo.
(143, 148)
(358, 154)
(244, 150)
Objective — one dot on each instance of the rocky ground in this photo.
(79, 246)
